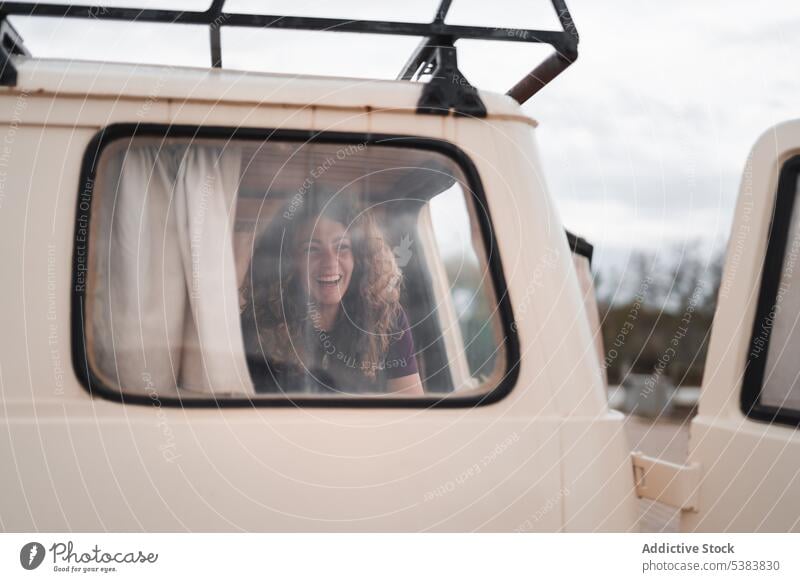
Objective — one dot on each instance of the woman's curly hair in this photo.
(275, 315)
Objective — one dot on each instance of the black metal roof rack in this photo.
(436, 55)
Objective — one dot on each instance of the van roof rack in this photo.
(447, 90)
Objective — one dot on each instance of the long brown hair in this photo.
(275, 316)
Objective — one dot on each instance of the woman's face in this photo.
(324, 259)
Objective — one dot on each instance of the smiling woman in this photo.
(331, 321)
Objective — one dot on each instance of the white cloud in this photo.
(651, 127)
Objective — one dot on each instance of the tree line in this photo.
(656, 314)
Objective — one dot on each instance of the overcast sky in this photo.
(643, 140)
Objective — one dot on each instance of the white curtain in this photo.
(166, 288)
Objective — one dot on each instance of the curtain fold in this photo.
(205, 206)
(172, 298)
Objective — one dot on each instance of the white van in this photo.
(243, 301)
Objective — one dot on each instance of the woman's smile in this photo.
(329, 280)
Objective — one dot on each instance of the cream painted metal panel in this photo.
(549, 293)
(37, 222)
(597, 488)
(584, 271)
(750, 470)
(595, 455)
(277, 470)
(152, 83)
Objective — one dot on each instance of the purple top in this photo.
(337, 372)
(345, 374)
(400, 360)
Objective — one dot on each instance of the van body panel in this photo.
(749, 479)
(82, 463)
(165, 469)
(750, 468)
(152, 83)
(594, 474)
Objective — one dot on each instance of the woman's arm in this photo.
(408, 385)
(402, 372)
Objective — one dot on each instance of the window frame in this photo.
(82, 269)
(772, 270)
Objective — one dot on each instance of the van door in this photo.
(745, 436)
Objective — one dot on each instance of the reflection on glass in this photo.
(272, 268)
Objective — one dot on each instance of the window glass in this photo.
(274, 268)
(781, 325)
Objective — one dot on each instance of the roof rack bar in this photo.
(215, 34)
(533, 82)
(441, 12)
(420, 55)
(425, 49)
(99, 12)
(551, 37)
(565, 18)
(438, 38)
(553, 65)
(208, 17)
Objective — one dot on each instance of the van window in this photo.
(772, 381)
(256, 268)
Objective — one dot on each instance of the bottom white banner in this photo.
(389, 557)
